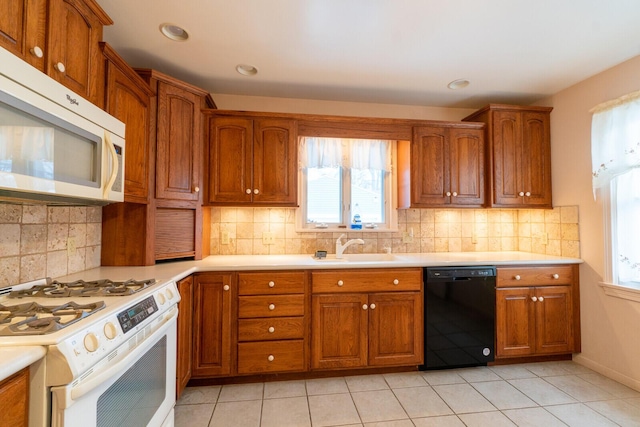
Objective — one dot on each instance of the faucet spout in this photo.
(340, 248)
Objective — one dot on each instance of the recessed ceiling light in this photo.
(458, 84)
(246, 70)
(174, 32)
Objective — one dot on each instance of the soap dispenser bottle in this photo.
(356, 224)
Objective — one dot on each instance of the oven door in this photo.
(137, 390)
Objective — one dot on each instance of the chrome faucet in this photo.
(340, 247)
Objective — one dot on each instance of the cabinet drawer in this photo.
(537, 276)
(270, 306)
(277, 328)
(379, 280)
(271, 283)
(270, 356)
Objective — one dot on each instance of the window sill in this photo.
(628, 292)
(346, 230)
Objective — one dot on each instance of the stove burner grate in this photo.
(39, 319)
(81, 288)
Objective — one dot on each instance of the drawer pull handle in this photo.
(448, 193)
(340, 283)
(271, 329)
(556, 276)
(528, 194)
(225, 287)
(517, 277)
(60, 67)
(36, 51)
(272, 307)
(396, 281)
(271, 358)
(541, 299)
(248, 191)
(271, 284)
(256, 191)
(534, 299)
(521, 194)
(372, 306)
(364, 306)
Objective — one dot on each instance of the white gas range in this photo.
(110, 345)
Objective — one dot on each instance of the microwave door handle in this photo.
(115, 163)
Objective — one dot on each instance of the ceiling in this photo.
(393, 51)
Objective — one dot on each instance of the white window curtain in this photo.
(615, 138)
(348, 153)
(615, 157)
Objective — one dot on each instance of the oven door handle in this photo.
(120, 367)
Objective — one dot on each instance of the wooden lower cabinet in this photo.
(361, 329)
(213, 324)
(14, 399)
(185, 334)
(537, 320)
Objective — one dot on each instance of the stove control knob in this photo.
(91, 342)
(169, 294)
(161, 298)
(110, 330)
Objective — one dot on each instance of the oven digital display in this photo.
(134, 315)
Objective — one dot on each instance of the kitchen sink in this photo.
(359, 258)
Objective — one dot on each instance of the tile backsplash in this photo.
(38, 241)
(551, 232)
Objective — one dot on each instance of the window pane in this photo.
(367, 195)
(324, 195)
(628, 226)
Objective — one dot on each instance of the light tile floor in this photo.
(528, 395)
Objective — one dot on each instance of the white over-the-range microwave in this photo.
(55, 146)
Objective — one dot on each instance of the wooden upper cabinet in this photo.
(59, 37)
(520, 147)
(22, 29)
(128, 98)
(252, 161)
(446, 167)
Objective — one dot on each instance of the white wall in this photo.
(610, 341)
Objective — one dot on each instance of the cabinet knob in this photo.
(534, 299)
(455, 194)
(225, 287)
(272, 284)
(556, 276)
(340, 283)
(528, 194)
(396, 281)
(271, 358)
(271, 329)
(372, 306)
(36, 51)
(196, 189)
(517, 277)
(60, 67)
(448, 193)
(541, 299)
(272, 307)
(256, 191)
(521, 194)
(365, 306)
(248, 191)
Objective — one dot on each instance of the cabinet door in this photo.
(507, 157)
(274, 162)
(536, 160)
(466, 166)
(339, 331)
(22, 28)
(178, 143)
(230, 160)
(14, 399)
(213, 293)
(515, 322)
(128, 101)
(554, 320)
(429, 166)
(395, 329)
(73, 57)
(185, 334)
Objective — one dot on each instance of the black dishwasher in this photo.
(459, 318)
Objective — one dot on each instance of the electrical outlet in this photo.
(268, 238)
(474, 239)
(224, 238)
(71, 246)
(407, 237)
(545, 238)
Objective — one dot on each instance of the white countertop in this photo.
(180, 269)
(15, 358)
